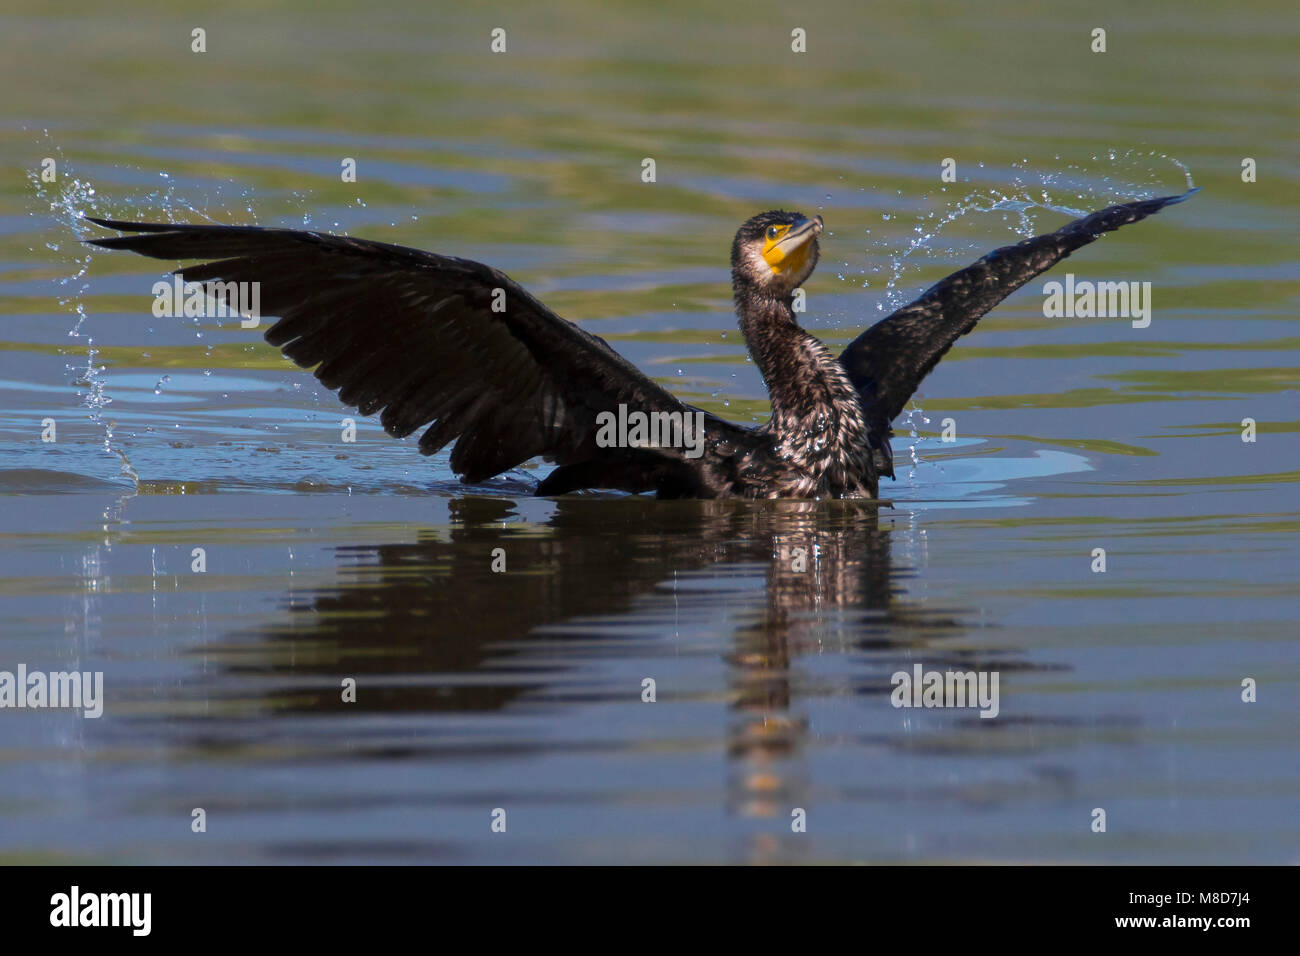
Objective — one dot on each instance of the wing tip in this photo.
(1172, 200)
(123, 225)
(111, 242)
(126, 225)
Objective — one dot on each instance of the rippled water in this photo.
(522, 690)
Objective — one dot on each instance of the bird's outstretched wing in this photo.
(416, 335)
(887, 362)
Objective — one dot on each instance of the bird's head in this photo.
(774, 252)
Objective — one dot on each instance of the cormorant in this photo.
(435, 340)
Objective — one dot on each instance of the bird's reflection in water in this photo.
(819, 558)
(431, 627)
(831, 587)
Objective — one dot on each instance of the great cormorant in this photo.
(435, 340)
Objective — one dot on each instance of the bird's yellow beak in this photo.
(790, 247)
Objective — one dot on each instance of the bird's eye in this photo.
(771, 232)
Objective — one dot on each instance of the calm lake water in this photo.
(522, 691)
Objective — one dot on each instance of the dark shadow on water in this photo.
(796, 577)
(430, 628)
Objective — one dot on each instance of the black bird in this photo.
(436, 340)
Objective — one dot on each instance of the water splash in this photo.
(1074, 190)
(67, 202)
(914, 418)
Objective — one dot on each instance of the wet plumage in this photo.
(432, 340)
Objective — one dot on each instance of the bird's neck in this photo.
(803, 379)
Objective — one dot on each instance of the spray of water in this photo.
(67, 201)
(1074, 190)
(61, 208)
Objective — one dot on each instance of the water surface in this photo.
(522, 690)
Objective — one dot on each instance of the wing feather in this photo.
(888, 361)
(413, 336)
